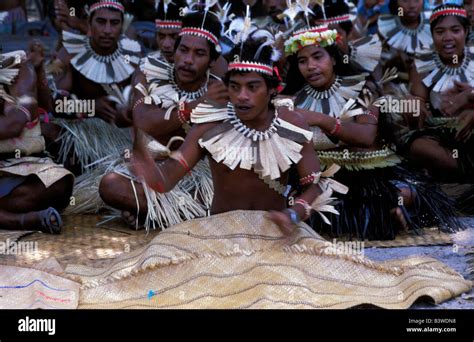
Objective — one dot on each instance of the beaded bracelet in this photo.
(310, 179)
(183, 116)
(306, 206)
(137, 103)
(369, 113)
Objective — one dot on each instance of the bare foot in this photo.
(131, 220)
(32, 221)
(400, 218)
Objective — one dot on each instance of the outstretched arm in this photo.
(307, 167)
(163, 176)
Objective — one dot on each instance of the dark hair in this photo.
(393, 7)
(465, 23)
(173, 12)
(237, 7)
(296, 81)
(211, 24)
(247, 53)
(141, 10)
(334, 8)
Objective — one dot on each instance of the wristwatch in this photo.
(294, 217)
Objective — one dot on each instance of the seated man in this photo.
(168, 25)
(251, 143)
(165, 94)
(32, 188)
(91, 85)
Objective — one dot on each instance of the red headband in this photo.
(168, 24)
(109, 4)
(449, 11)
(201, 33)
(251, 66)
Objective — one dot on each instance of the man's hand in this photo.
(453, 100)
(466, 122)
(217, 92)
(282, 219)
(36, 54)
(105, 110)
(62, 13)
(460, 86)
(66, 20)
(143, 166)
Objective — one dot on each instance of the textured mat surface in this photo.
(41, 287)
(241, 260)
(83, 242)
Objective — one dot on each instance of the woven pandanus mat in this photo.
(241, 260)
(81, 242)
(41, 287)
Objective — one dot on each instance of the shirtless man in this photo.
(259, 182)
(194, 56)
(94, 68)
(187, 83)
(168, 25)
(32, 188)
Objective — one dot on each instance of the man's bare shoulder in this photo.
(293, 117)
(198, 130)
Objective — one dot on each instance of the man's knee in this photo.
(61, 191)
(109, 185)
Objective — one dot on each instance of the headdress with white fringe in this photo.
(310, 35)
(203, 30)
(114, 5)
(240, 30)
(169, 14)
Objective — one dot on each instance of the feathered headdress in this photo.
(169, 14)
(335, 12)
(203, 29)
(317, 35)
(248, 57)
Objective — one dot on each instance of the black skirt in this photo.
(365, 212)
